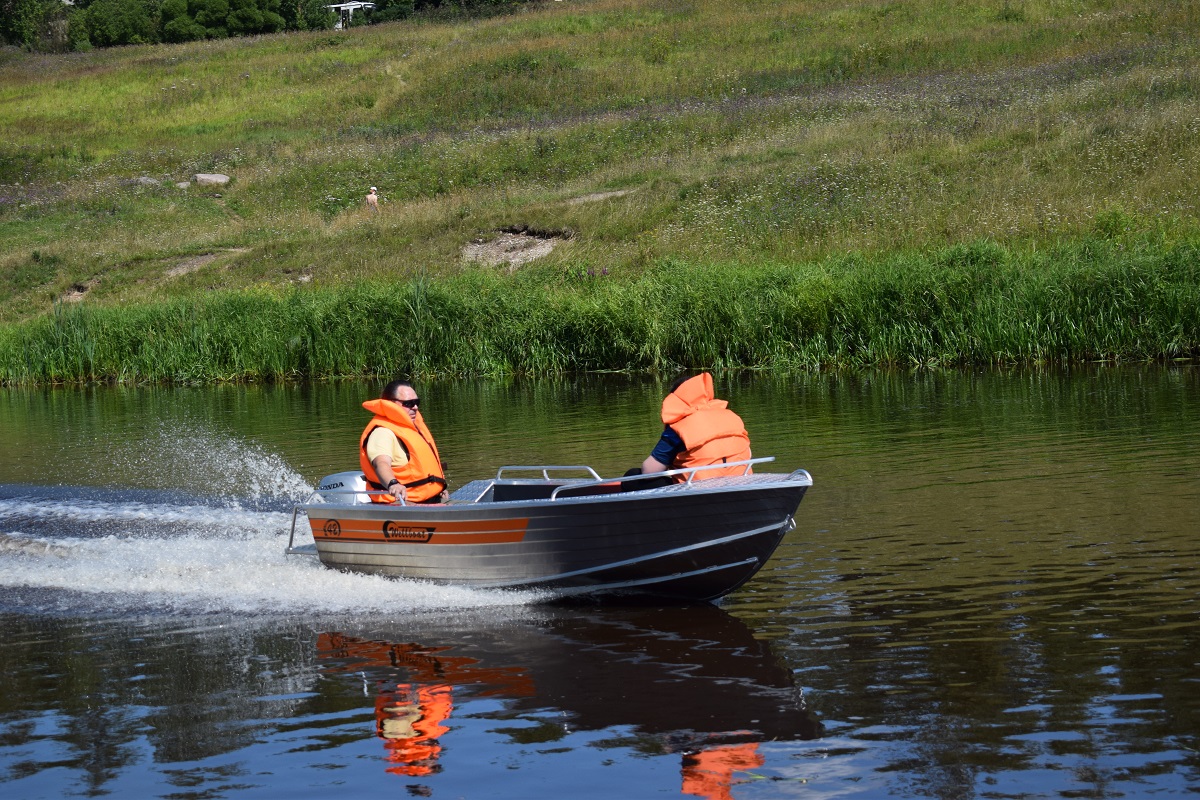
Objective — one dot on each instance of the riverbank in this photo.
(965, 305)
(582, 155)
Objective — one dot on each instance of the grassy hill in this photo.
(669, 154)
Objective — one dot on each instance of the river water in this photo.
(992, 592)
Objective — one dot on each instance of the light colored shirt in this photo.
(382, 442)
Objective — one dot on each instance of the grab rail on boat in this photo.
(689, 471)
(546, 470)
(291, 548)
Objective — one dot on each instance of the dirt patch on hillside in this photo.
(201, 261)
(595, 196)
(78, 291)
(191, 265)
(513, 247)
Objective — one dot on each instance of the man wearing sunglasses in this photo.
(396, 451)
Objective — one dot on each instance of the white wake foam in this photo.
(243, 570)
(137, 555)
(210, 463)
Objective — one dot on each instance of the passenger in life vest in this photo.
(396, 451)
(699, 430)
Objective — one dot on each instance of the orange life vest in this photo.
(711, 433)
(709, 773)
(411, 729)
(423, 475)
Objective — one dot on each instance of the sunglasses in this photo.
(416, 401)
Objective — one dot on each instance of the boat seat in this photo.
(502, 492)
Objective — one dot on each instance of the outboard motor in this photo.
(344, 487)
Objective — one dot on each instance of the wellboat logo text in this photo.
(395, 531)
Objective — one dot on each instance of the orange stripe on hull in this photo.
(500, 531)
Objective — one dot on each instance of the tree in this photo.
(22, 21)
(178, 24)
(114, 22)
(77, 30)
(56, 25)
(244, 17)
(307, 15)
(212, 15)
(388, 10)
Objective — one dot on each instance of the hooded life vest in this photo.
(711, 433)
(423, 475)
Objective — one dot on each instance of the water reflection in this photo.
(992, 592)
(689, 681)
(410, 715)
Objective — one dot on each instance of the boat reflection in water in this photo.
(685, 680)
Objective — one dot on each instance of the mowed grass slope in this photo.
(742, 136)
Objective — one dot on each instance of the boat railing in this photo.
(797, 473)
(545, 470)
(323, 493)
(690, 472)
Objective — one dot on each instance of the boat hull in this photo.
(697, 542)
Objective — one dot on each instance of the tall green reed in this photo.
(970, 304)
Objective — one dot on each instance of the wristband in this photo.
(391, 483)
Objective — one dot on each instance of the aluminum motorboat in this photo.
(564, 530)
